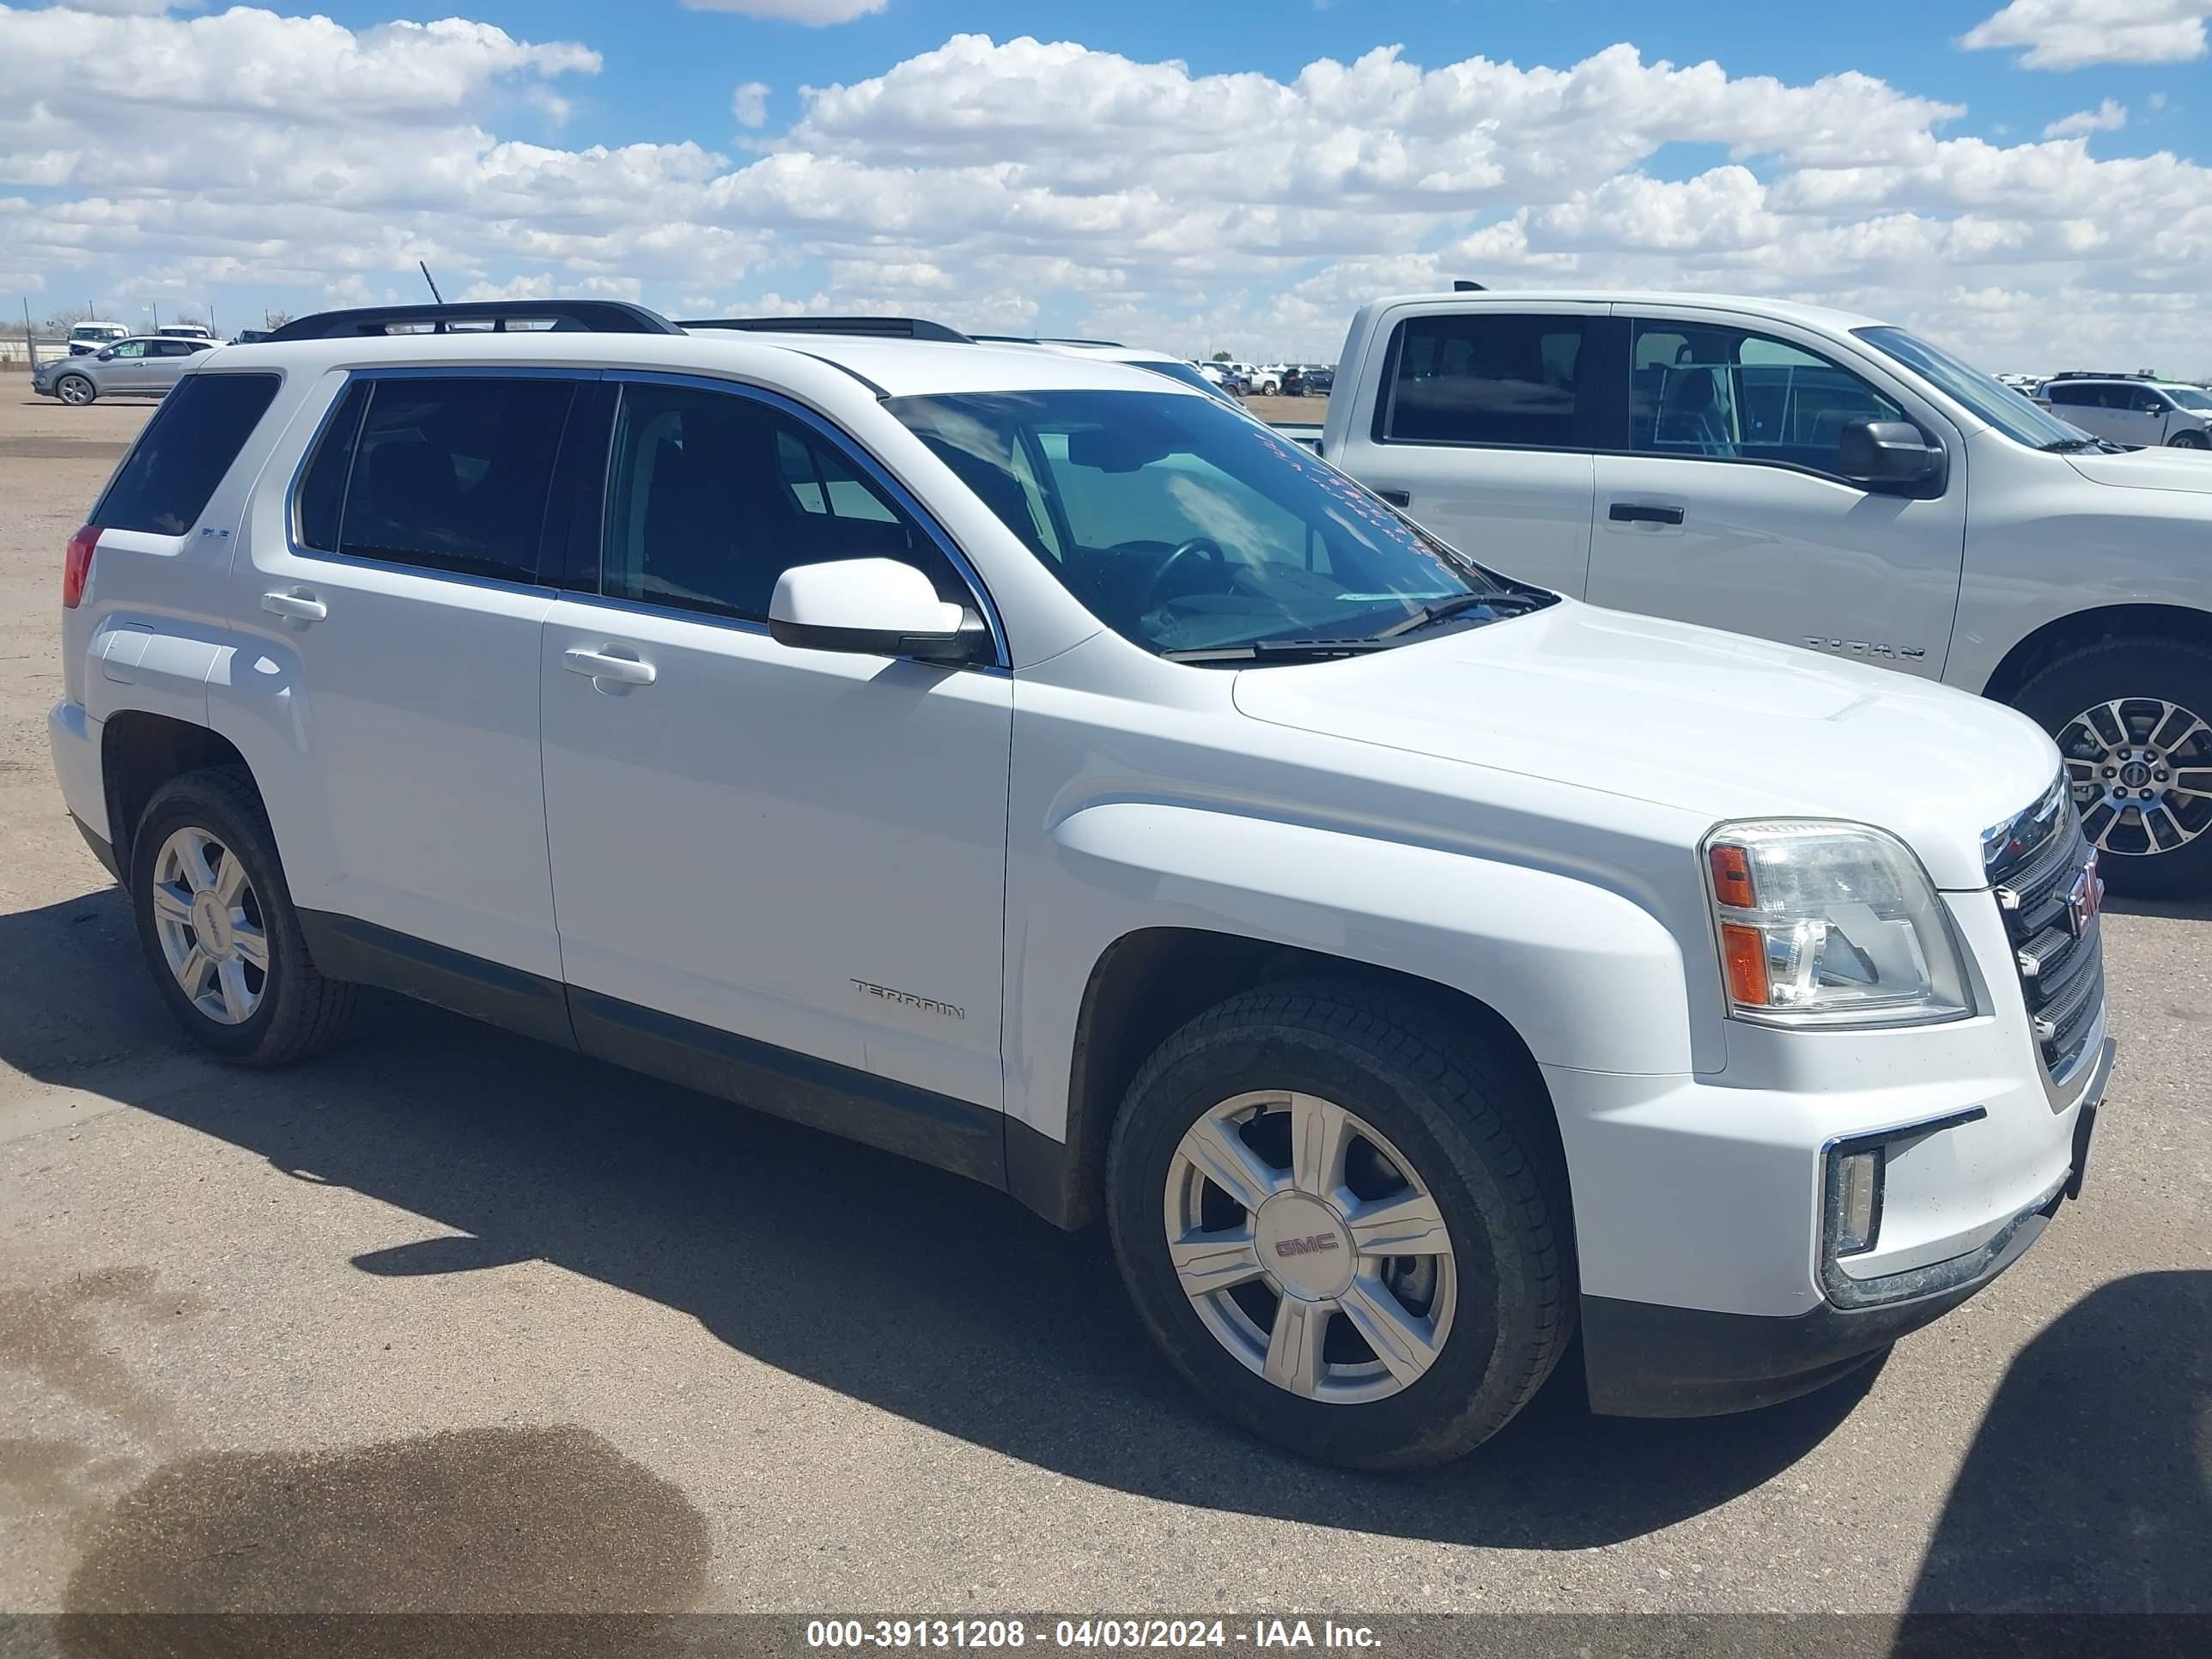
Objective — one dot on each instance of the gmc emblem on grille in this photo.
(2084, 898)
(1311, 1245)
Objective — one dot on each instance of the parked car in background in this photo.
(1320, 380)
(1266, 379)
(85, 338)
(1423, 976)
(1827, 480)
(1113, 351)
(249, 336)
(140, 366)
(185, 332)
(1224, 378)
(2132, 409)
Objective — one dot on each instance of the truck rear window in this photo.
(165, 483)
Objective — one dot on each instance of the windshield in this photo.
(1187, 526)
(2013, 413)
(2188, 396)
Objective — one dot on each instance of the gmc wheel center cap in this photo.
(2135, 774)
(1304, 1247)
(210, 922)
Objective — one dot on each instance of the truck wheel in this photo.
(75, 390)
(1346, 1225)
(217, 922)
(2129, 716)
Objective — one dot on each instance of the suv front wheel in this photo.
(75, 389)
(1344, 1224)
(217, 923)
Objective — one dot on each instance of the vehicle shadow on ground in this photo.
(2088, 1486)
(910, 1289)
(2169, 909)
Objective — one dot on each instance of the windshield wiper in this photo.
(1516, 599)
(1279, 650)
(2070, 446)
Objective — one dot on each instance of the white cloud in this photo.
(2108, 116)
(814, 14)
(2063, 35)
(1012, 185)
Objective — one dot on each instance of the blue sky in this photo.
(1175, 173)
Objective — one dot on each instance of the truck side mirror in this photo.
(1887, 453)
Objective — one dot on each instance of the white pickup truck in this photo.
(1829, 481)
(1031, 764)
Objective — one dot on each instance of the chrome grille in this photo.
(2042, 867)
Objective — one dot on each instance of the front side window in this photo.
(1479, 378)
(713, 496)
(1724, 392)
(447, 473)
(1191, 529)
(130, 349)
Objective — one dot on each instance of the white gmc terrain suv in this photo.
(1036, 768)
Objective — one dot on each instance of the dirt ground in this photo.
(446, 1319)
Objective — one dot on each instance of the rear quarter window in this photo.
(173, 472)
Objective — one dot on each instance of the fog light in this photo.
(1854, 1201)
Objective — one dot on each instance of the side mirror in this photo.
(1877, 452)
(106, 356)
(876, 607)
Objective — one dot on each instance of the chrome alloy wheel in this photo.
(1310, 1247)
(2141, 770)
(210, 925)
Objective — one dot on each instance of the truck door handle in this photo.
(1396, 497)
(299, 604)
(1638, 513)
(598, 665)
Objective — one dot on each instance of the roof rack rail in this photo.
(481, 316)
(2105, 374)
(890, 328)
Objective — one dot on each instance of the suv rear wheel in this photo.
(1346, 1225)
(217, 923)
(2129, 718)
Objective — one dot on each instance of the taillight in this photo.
(76, 565)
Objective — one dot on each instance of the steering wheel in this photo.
(1187, 553)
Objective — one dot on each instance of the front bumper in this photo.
(1646, 1359)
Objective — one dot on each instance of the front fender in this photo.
(1587, 977)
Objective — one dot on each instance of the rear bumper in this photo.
(1644, 1360)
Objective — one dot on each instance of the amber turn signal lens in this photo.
(1744, 950)
(1732, 878)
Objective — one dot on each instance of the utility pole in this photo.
(30, 345)
(156, 308)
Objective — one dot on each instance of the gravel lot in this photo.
(446, 1319)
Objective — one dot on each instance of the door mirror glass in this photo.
(876, 607)
(1886, 453)
(106, 356)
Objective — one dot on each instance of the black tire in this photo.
(1478, 1130)
(2171, 671)
(299, 1013)
(2189, 440)
(83, 386)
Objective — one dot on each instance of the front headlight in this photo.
(1831, 924)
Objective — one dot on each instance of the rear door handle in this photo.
(1639, 513)
(1396, 497)
(598, 665)
(299, 604)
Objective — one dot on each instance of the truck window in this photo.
(1486, 378)
(1725, 393)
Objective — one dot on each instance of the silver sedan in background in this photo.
(142, 365)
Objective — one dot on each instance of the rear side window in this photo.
(179, 460)
(442, 473)
(1487, 379)
(2070, 396)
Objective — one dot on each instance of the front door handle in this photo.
(1396, 497)
(299, 604)
(1641, 513)
(598, 665)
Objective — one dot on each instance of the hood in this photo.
(2186, 469)
(1714, 725)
